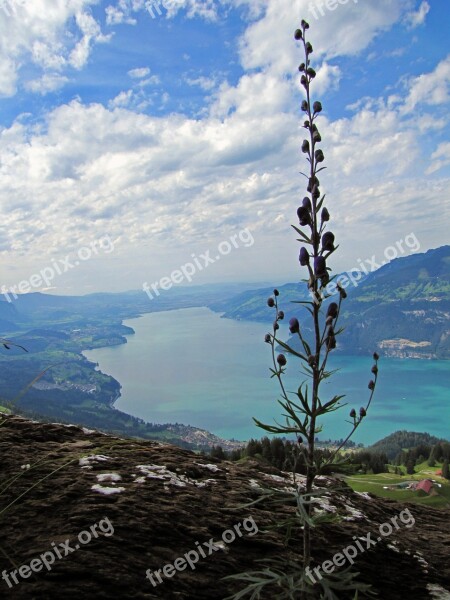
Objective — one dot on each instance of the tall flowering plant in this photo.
(305, 408)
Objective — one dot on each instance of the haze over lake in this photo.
(190, 366)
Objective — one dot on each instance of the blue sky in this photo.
(166, 136)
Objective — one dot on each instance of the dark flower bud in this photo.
(375, 356)
(317, 137)
(304, 257)
(281, 315)
(306, 124)
(310, 71)
(353, 413)
(298, 34)
(281, 360)
(304, 24)
(267, 338)
(374, 369)
(329, 321)
(328, 241)
(320, 266)
(332, 310)
(303, 80)
(331, 342)
(299, 440)
(294, 325)
(305, 106)
(309, 48)
(362, 412)
(305, 147)
(341, 291)
(276, 326)
(325, 215)
(306, 203)
(317, 107)
(301, 67)
(276, 292)
(303, 216)
(319, 156)
(311, 360)
(271, 302)
(371, 385)
(316, 192)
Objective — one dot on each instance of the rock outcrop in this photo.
(57, 482)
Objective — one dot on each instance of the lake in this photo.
(190, 366)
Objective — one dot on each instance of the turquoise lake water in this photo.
(190, 366)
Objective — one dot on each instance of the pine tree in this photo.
(445, 470)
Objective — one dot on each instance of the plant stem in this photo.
(310, 469)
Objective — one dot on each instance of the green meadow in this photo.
(375, 484)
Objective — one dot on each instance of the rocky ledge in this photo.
(87, 515)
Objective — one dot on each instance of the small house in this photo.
(425, 485)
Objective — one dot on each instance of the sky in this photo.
(137, 137)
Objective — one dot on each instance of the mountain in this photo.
(119, 510)
(396, 442)
(29, 310)
(402, 309)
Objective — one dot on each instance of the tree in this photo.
(410, 467)
(432, 459)
(217, 452)
(266, 449)
(253, 448)
(445, 470)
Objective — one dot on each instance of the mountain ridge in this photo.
(401, 310)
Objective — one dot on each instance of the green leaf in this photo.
(290, 350)
(272, 429)
(306, 347)
(302, 234)
(319, 206)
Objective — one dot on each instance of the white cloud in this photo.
(346, 31)
(47, 83)
(8, 77)
(38, 31)
(91, 34)
(115, 16)
(416, 18)
(430, 89)
(205, 83)
(122, 99)
(441, 158)
(160, 185)
(139, 73)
